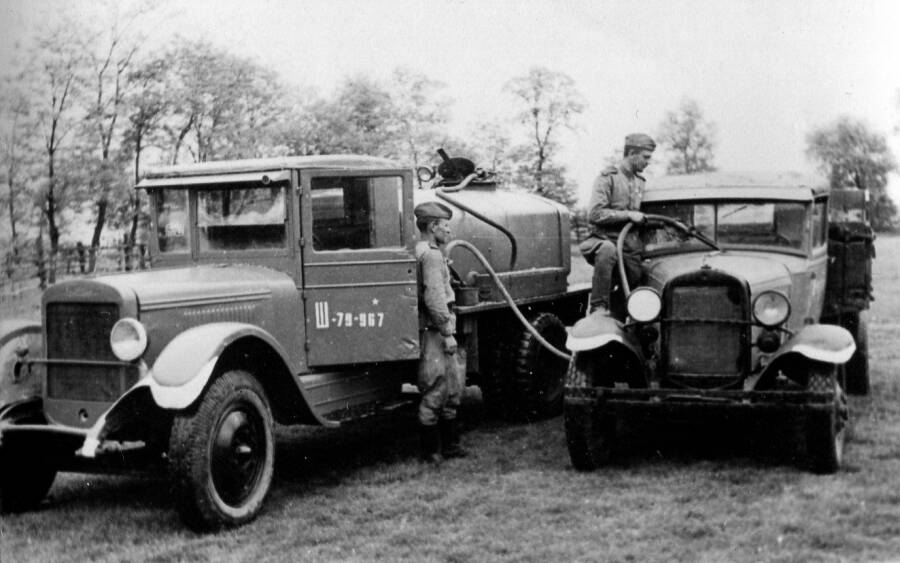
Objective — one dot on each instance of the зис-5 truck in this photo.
(750, 305)
(282, 290)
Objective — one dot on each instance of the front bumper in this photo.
(660, 402)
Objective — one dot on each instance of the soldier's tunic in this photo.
(438, 377)
(616, 191)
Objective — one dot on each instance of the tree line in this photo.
(89, 107)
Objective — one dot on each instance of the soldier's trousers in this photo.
(605, 269)
(438, 380)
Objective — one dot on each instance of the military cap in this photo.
(640, 141)
(432, 210)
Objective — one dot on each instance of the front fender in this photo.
(185, 365)
(819, 343)
(594, 332)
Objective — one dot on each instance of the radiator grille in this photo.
(703, 331)
(80, 332)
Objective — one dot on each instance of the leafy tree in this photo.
(109, 55)
(548, 101)
(852, 155)
(221, 105)
(689, 138)
(59, 76)
(492, 150)
(17, 153)
(420, 116)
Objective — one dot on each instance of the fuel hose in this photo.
(507, 297)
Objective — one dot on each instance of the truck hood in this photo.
(198, 285)
(760, 272)
(182, 287)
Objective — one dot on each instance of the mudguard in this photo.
(594, 332)
(820, 343)
(184, 367)
(600, 332)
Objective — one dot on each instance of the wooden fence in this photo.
(36, 267)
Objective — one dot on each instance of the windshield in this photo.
(173, 233)
(231, 217)
(752, 224)
(241, 219)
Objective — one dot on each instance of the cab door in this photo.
(359, 267)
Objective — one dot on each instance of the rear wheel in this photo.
(539, 374)
(590, 433)
(826, 432)
(222, 454)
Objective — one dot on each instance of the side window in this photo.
(356, 212)
(173, 231)
(819, 225)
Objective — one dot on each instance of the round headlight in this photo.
(644, 305)
(128, 339)
(771, 308)
(425, 174)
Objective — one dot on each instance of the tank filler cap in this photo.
(454, 170)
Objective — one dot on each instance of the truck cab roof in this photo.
(249, 169)
(784, 186)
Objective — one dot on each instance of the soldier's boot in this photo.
(430, 442)
(450, 439)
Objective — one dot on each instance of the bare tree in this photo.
(690, 139)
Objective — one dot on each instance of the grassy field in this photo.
(680, 493)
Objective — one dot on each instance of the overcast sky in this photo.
(765, 72)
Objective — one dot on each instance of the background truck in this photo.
(751, 307)
(281, 290)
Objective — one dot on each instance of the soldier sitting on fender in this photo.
(439, 379)
(616, 200)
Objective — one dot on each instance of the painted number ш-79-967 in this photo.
(341, 319)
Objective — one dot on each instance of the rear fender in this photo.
(817, 343)
(187, 363)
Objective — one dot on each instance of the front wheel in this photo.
(222, 454)
(590, 433)
(826, 432)
(25, 477)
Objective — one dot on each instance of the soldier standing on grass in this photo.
(438, 376)
(616, 200)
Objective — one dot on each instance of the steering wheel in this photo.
(620, 242)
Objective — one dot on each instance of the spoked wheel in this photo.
(590, 433)
(222, 454)
(826, 432)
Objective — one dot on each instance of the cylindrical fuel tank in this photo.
(539, 227)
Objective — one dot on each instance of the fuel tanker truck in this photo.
(281, 290)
